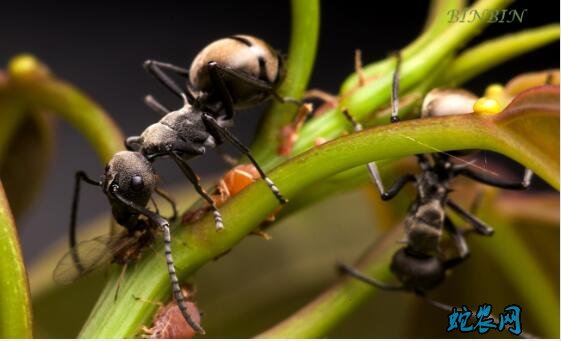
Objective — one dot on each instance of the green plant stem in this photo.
(486, 55)
(521, 267)
(201, 243)
(299, 65)
(436, 24)
(15, 307)
(375, 94)
(326, 311)
(34, 85)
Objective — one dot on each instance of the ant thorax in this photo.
(181, 130)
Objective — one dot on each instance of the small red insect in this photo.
(169, 322)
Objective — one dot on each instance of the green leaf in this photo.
(15, 310)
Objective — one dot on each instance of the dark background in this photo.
(100, 46)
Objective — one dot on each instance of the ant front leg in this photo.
(213, 123)
(171, 202)
(163, 224)
(375, 172)
(395, 89)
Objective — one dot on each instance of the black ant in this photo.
(421, 265)
(231, 73)
(129, 182)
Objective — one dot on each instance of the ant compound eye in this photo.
(137, 183)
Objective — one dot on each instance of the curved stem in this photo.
(299, 65)
(490, 53)
(34, 84)
(202, 243)
(15, 307)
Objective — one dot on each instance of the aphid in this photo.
(128, 183)
(169, 322)
(421, 264)
(232, 73)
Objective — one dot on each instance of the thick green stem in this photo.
(200, 242)
(488, 54)
(299, 65)
(15, 307)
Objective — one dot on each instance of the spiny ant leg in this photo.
(156, 106)
(156, 68)
(171, 202)
(218, 81)
(372, 166)
(227, 158)
(478, 225)
(79, 177)
(459, 241)
(395, 89)
(244, 150)
(256, 83)
(345, 269)
(436, 304)
(164, 226)
(398, 186)
(133, 143)
(497, 182)
(194, 179)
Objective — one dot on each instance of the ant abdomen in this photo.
(245, 55)
(417, 272)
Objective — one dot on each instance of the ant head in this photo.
(244, 55)
(130, 175)
(446, 102)
(421, 272)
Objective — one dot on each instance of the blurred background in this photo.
(99, 47)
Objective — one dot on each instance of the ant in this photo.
(237, 72)
(231, 73)
(421, 265)
(128, 183)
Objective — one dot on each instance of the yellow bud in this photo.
(494, 90)
(26, 64)
(486, 106)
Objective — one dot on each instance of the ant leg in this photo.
(461, 245)
(156, 68)
(218, 81)
(496, 182)
(194, 179)
(345, 269)
(478, 225)
(156, 106)
(436, 304)
(164, 225)
(166, 196)
(397, 186)
(244, 150)
(395, 89)
(133, 143)
(155, 205)
(79, 177)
